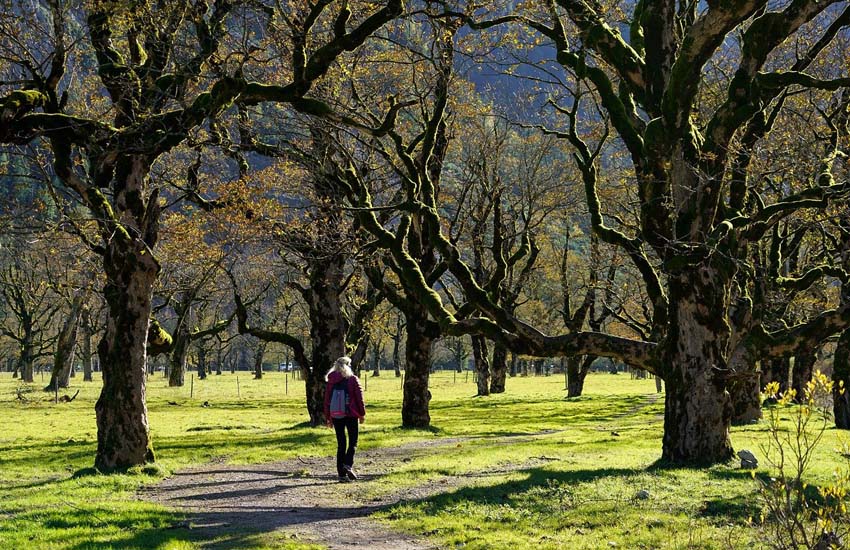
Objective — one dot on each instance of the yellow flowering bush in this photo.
(795, 515)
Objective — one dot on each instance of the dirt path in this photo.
(304, 498)
(228, 503)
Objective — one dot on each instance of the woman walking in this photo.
(344, 409)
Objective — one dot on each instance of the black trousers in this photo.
(345, 456)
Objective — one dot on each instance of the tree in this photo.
(698, 207)
(29, 299)
(166, 70)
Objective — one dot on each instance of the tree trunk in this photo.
(482, 364)
(698, 410)
(219, 358)
(777, 370)
(327, 330)
(415, 411)
(179, 358)
(397, 351)
(85, 339)
(27, 358)
(123, 436)
(376, 360)
(746, 399)
(499, 369)
(841, 382)
(259, 355)
(201, 349)
(801, 374)
(745, 385)
(66, 343)
(577, 368)
(513, 364)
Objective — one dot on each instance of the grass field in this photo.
(587, 463)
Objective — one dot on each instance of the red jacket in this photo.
(356, 407)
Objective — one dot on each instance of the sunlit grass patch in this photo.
(527, 468)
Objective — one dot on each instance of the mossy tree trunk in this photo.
(416, 398)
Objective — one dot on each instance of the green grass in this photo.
(576, 466)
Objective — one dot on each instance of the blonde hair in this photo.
(342, 366)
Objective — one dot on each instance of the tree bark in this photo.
(499, 368)
(482, 364)
(778, 370)
(577, 368)
(745, 395)
(417, 397)
(27, 358)
(801, 374)
(85, 338)
(179, 357)
(123, 435)
(397, 350)
(327, 330)
(66, 343)
(202, 360)
(259, 355)
(841, 382)
(376, 359)
(698, 410)
(745, 384)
